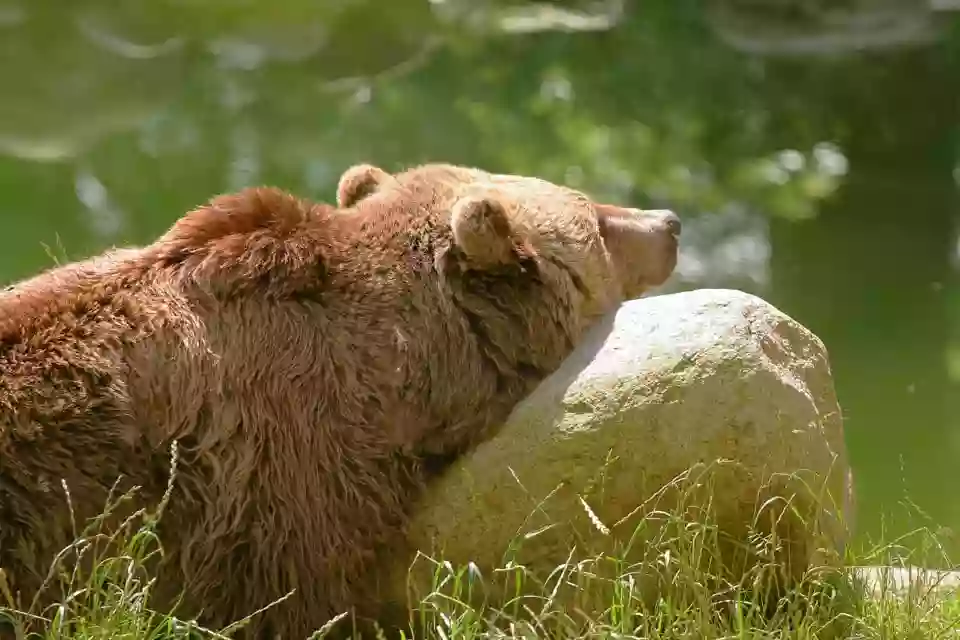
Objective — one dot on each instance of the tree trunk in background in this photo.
(872, 276)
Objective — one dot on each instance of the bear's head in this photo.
(604, 253)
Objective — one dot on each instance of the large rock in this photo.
(902, 581)
(715, 378)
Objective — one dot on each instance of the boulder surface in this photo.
(711, 397)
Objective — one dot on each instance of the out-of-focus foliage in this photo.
(653, 108)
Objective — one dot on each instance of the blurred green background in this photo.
(811, 147)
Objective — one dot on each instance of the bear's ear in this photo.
(482, 230)
(358, 182)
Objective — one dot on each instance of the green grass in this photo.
(587, 596)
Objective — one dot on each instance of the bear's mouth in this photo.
(672, 257)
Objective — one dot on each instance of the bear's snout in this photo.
(643, 245)
(671, 220)
(665, 219)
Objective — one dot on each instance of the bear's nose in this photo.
(670, 219)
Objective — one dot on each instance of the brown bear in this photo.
(314, 364)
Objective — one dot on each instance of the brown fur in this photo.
(310, 361)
